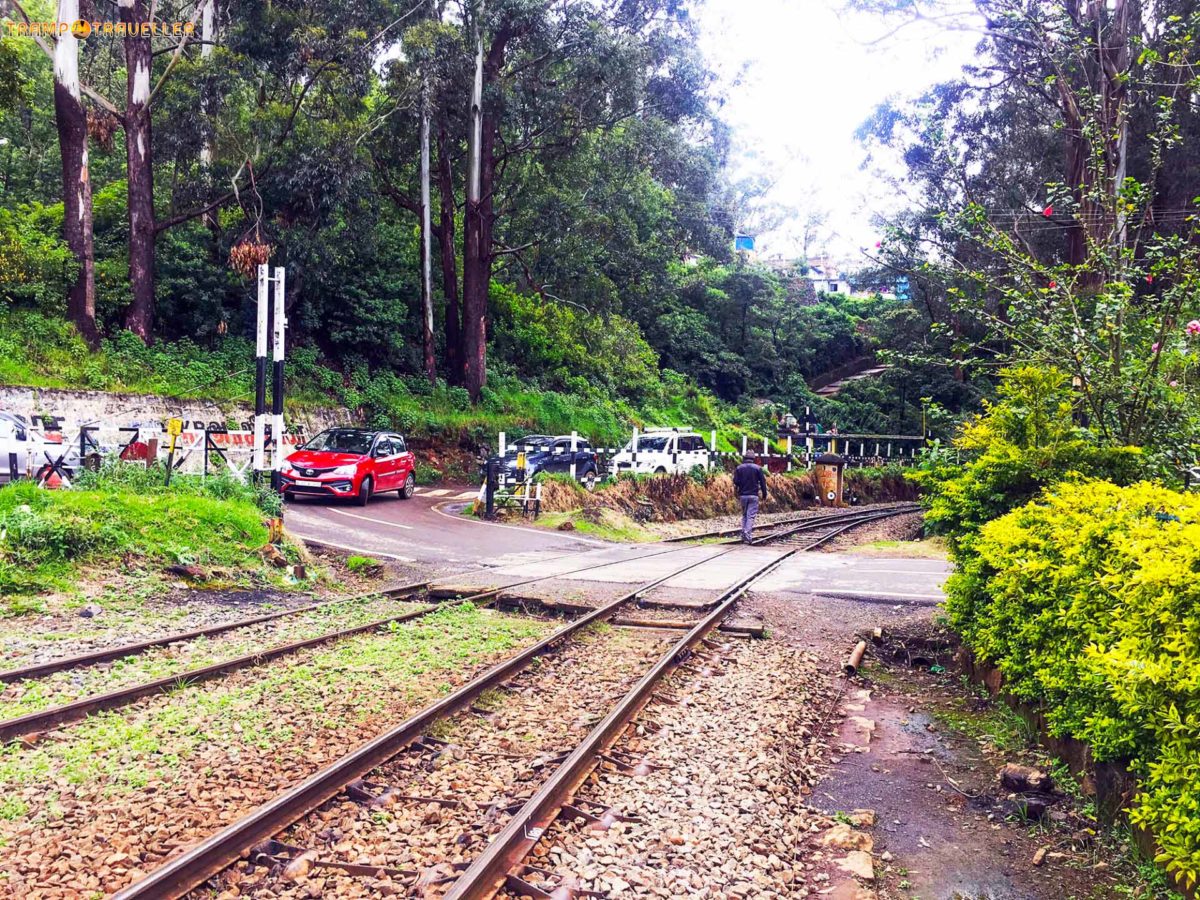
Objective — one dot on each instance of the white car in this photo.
(661, 452)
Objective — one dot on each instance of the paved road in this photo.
(427, 532)
(418, 531)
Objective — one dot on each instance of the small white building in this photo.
(827, 280)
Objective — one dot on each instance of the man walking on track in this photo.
(749, 481)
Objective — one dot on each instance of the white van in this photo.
(661, 452)
(15, 440)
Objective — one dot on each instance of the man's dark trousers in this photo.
(749, 512)
(749, 483)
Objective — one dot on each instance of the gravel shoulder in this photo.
(907, 804)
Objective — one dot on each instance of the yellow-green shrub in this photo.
(1088, 600)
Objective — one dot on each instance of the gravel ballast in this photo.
(722, 816)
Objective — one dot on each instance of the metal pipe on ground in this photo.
(854, 663)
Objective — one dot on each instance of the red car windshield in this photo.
(342, 440)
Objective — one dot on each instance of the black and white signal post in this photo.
(272, 321)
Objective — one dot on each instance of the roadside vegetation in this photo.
(1076, 578)
(703, 495)
(124, 518)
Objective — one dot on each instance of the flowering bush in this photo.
(1088, 602)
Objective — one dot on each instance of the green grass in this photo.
(612, 527)
(407, 663)
(929, 548)
(46, 536)
(976, 716)
(163, 662)
(362, 564)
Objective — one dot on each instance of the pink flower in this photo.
(1174, 384)
(1154, 347)
(1053, 283)
(1193, 327)
(1149, 279)
(1048, 211)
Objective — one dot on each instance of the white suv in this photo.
(661, 452)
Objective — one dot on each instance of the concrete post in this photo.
(574, 445)
(789, 453)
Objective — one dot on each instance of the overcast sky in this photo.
(807, 77)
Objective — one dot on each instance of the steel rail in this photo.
(803, 520)
(488, 872)
(99, 656)
(67, 713)
(193, 867)
(846, 522)
(77, 710)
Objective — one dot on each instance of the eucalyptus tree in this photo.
(71, 121)
(1056, 208)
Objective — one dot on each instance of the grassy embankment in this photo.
(610, 512)
(122, 522)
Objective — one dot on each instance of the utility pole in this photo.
(278, 327)
(260, 372)
(426, 237)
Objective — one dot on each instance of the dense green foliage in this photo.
(1053, 192)
(610, 266)
(124, 516)
(1087, 601)
(1024, 443)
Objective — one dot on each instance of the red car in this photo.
(350, 462)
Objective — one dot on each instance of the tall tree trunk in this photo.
(71, 120)
(139, 315)
(208, 38)
(445, 235)
(426, 245)
(476, 254)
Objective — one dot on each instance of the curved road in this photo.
(418, 531)
(428, 533)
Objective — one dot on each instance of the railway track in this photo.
(359, 773)
(769, 530)
(794, 533)
(78, 661)
(77, 710)
(801, 534)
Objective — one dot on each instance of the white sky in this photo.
(808, 78)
